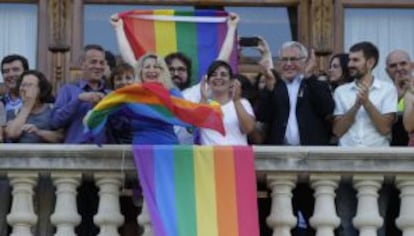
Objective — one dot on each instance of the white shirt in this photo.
(231, 125)
(192, 94)
(292, 130)
(383, 96)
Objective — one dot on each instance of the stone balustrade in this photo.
(281, 168)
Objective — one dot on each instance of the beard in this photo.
(179, 82)
(356, 74)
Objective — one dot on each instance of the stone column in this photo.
(324, 218)
(66, 215)
(367, 219)
(405, 221)
(109, 216)
(281, 218)
(22, 216)
(144, 220)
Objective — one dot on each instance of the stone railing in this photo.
(281, 168)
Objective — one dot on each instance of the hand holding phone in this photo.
(249, 41)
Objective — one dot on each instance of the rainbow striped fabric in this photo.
(199, 190)
(153, 101)
(198, 34)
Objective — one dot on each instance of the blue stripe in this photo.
(165, 188)
(207, 35)
(147, 111)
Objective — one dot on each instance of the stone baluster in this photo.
(367, 219)
(22, 216)
(144, 220)
(324, 218)
(66, 216)
(281, 218)
(405, 221)
(109, 216)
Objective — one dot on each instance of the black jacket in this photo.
(314, 106)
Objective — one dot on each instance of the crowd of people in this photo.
(285, 104)
(293, 105)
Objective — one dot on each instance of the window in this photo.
(271, 23)
(388, 29)
(18, 23)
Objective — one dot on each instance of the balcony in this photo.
(58, 170)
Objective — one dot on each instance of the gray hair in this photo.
(294, 44)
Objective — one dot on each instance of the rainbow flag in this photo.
(198, 34)
(153, 101)
(199, 190)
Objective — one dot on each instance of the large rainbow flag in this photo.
(153, 101)
(199, 34)
(199, 190)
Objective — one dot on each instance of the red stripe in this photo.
(225, 191)
(246, 191)
(140, 33)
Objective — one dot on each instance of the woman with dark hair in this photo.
(338, 70)
(122, 75)
(119, 127)
(220, 86)
(31, 124)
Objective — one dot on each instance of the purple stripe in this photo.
(143, 156)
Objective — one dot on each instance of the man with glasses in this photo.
(180, 69)
(294, 109)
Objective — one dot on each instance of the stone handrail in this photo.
(280, 167)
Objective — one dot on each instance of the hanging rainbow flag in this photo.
(199, 190)
(198, 34)
(153, 101)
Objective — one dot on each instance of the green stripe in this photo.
(185, 191)
(98, 116)
(187, 43)
(163, 110)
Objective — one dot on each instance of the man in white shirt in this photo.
(364, 113)
(364, 109)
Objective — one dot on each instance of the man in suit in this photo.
(295, 108)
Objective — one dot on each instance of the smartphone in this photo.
(249, 41)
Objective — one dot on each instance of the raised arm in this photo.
(124, 47)
(227, 47)
(266, 62)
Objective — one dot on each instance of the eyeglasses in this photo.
(291, 59)
(180, 69)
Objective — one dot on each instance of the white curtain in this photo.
(18, 24)
(388, 29)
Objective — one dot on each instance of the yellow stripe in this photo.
(165, 34)
(205, 191)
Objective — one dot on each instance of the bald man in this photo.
(399, 69)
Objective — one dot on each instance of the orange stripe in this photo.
(225, 191)
(144, 33)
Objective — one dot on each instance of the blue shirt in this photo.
(10, 104)
(69, 112)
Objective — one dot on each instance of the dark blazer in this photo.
(314, 106)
